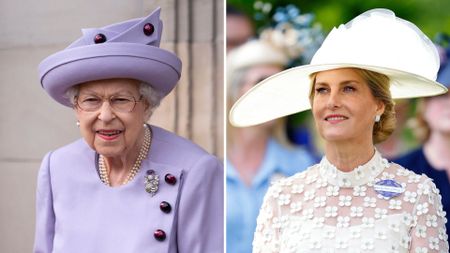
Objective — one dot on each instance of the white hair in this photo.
(150, 95)
(72, 93)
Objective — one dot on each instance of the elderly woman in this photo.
(126, 186)
(257, 155)
(354, 200)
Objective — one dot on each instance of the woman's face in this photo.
(343, 107)
(437, 113)
(110, 132)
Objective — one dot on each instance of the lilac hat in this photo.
(129, 49)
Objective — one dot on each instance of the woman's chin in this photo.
(109, 151)
(335, 137)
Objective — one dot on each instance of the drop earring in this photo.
(78, 123)
(377, 118)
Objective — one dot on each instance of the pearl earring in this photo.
(78, 123)
(377, 118)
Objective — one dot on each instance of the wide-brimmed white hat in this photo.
(376, 40)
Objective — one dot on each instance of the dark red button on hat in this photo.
(148, 29)
(99, 38)
(170, 179)
(165, 207)
(159, 235)
(123, 50)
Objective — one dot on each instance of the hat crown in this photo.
(378, 38)
(130, 31)
(256, 52)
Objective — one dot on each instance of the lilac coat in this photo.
(76, 212)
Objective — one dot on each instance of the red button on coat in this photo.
(170, 179)
(159, 235)
(165, 207)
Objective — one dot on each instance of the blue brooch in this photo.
(388, 188)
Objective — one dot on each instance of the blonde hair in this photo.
(379, 85)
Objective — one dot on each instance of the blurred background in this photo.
(32, 123)
(430, 15)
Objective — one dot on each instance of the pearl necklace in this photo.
(104, 177)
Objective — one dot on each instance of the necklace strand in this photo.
(143, 152)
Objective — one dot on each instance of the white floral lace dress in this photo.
(325, 210)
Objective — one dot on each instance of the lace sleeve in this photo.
(428, 234)
(266, 237)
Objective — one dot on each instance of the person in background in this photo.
(432, 127)
(258, 155)
(239, 28)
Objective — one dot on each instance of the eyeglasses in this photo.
(119, 103)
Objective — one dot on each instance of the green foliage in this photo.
(431, 16)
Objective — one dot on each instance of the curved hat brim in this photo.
(157, 67)
(288, 92)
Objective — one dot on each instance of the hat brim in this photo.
(157, 67)
(288, 92)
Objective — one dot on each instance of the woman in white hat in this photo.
(354, 199)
